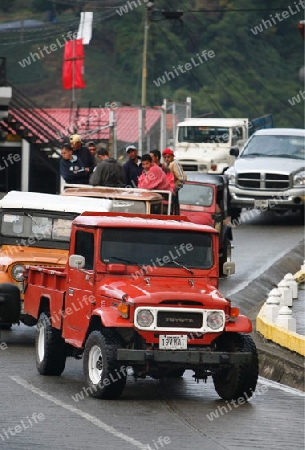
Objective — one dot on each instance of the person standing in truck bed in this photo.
(108, 172)
(71, 167)
(179, 177)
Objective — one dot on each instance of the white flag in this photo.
(85, 27)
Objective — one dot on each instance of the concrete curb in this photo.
(285, 338)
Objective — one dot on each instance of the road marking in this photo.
(281, 387)
(89, 417)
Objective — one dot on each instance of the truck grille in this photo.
(267, 181)
(173, 319)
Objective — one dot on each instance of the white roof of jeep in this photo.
(52, 202)
(280, 132)
(213, 122)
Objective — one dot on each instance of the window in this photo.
(156, 247)
(84, 246)
(194, 194)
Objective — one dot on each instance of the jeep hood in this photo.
(201, 151)
(160, 289)
(30, 255)
(265, 164)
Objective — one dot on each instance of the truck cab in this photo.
(203, 145)
(35, 230)
(205, 200)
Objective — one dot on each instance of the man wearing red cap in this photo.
(179, 176)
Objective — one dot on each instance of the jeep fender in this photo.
(111, 318)
(242, 324)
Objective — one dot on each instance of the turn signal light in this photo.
(234, 313)
(124, 310)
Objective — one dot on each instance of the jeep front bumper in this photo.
(185, 357)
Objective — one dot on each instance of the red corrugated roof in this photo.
(88, 123)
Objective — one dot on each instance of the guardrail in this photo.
(275, 320)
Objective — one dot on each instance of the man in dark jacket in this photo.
(82, 152)
(71, 168)
(108, 172)
(132, 168)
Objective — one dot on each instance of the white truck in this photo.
(203, 145)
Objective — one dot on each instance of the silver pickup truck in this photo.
(269, 172)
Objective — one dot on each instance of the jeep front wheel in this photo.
(103, 376)
(237, 381)
(50, 348)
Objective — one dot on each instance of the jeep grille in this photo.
(179, 319)
(190, 167)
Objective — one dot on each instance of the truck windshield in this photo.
(194, 194)
(157, 248)
(202, 134)
(276, 146)
(36, 227)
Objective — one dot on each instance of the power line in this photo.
(245, 69)
(228, 78)
(194, 77)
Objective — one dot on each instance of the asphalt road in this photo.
(45, 412)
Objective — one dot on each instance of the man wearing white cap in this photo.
(132, 168)
(82, 152)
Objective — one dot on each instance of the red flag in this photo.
(73, 67)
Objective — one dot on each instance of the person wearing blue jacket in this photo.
(71, 167)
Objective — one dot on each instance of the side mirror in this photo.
(229, 268)
(76, 261)
(234, 151)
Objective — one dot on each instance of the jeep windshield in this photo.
(276, 146)
(194, 194)
(32, 228)
(201, 134)
(157, 248)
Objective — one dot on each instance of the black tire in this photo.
(235, 213)
(5, 326)
(226, 256)
(50, 348)
(238, 381)
(104, 378)
(175, 373)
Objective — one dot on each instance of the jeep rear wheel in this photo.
(50, 348)
(237, 381)
(104, 377)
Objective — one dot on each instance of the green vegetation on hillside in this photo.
(250, 74)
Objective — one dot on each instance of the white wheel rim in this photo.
(95, 364)
(41, 342)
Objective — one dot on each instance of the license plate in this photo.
(173, 342)
(261, 203)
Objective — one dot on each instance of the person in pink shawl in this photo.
(152, 176)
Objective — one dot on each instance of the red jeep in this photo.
(140, 291)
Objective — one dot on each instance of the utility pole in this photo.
(149, 7)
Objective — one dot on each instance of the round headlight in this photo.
(215, 320)
(145, 318)
(17, 272)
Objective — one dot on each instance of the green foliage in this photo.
(250, 75)
(6, 5)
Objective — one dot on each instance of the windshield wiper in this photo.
(34, 221)
(141, 266)
(183, 267)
